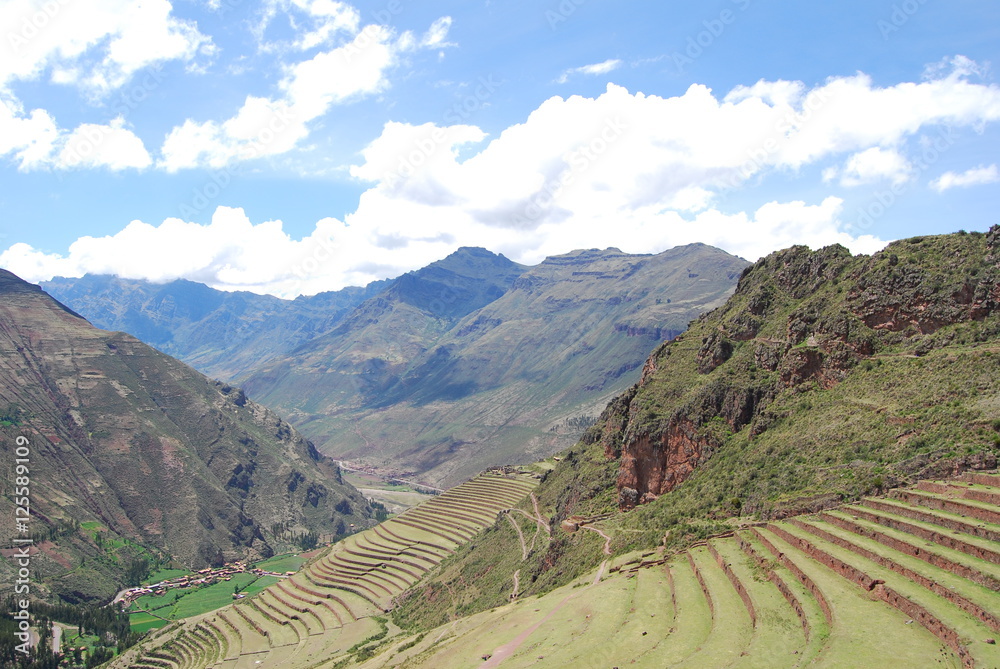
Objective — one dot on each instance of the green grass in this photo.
(282, 563)
(778, 635)
(186, 602)
(143, 622)
(961, 622)
(731, 628)
(865, 628)
(166, 574)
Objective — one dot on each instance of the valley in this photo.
(805, 476)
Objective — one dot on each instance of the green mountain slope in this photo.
(823, 378)
(135, 456)
(424, 380)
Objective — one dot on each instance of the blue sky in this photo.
(294, 146)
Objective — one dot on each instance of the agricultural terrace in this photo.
(332, 611)
(911, 580)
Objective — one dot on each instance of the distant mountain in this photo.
(476, 361)
(135, 458)
(222, 334)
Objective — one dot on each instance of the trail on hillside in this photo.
(607, 539)
(520, 537)
(538, 514)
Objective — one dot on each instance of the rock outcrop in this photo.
(799, 319)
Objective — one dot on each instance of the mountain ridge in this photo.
(153, 461)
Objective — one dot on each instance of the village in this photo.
(207, 576)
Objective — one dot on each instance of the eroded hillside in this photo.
(137, 457)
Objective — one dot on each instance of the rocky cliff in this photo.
(799, 322)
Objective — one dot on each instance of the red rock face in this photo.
(650, 467)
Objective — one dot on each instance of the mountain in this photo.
(222, 334)
(476, 361)
(136, 459)
(825, 377)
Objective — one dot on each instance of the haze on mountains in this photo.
(135, 458)
(470, 362)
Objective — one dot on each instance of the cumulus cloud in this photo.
(228, 253)
(309, 89)
(609, 65)
(635, 171)
(97, 46)
(977, 176)
(873, 165)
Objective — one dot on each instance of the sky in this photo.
(295, 146)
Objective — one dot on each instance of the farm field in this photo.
(910, 580)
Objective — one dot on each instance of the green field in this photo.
(282, 563)
(165, 574)
(187, 602)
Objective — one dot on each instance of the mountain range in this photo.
(470, 362)
(222, 334)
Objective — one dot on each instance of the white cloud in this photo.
(112, 146)
(437, 34)
(976, 176)
(228, 253)
(609, 65)
(873, 165)
(272, 126)
(232, 253)
(98, 46)
(623, 169)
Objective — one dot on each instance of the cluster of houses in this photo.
(206, 576)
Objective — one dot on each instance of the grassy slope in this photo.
(909, 401)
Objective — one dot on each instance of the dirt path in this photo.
(520, 537)
(517, 584)
(508, 649)
(538, 514)
(607, 539)
(539, 522)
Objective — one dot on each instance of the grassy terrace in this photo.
(904, 581)
(328, 612)
(791, 594)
